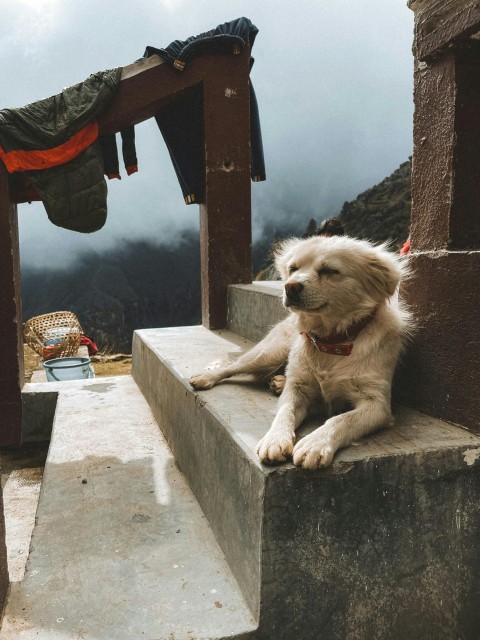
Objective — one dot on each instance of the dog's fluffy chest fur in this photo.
(341, 379)
(330, 373)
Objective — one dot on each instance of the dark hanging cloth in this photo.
(54, 142)
(108, 145)
(257, 167)
(181, 123)
(229, 37)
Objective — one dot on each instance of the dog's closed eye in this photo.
(292, 268)
(327, 271)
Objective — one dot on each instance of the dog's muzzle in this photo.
(293, 292)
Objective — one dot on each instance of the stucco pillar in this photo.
(440, 374)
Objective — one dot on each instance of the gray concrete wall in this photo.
(38, 410)
(386, 550)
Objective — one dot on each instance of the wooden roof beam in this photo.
(148, 84)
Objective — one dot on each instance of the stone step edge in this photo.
(196, 435)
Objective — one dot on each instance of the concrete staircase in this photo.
(383, 544)
(134, 542)
(120, 549)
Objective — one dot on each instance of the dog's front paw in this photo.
(277, 384)
(314, 451)
(274, 448)
(203, 381)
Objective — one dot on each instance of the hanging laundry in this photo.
(54, 142)
(181, 123)
(108, 145)
(53, 150)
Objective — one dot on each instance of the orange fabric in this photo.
(19, 160)
(406, 248)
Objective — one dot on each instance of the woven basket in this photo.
(54, 335)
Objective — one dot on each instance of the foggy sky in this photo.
(333, 82)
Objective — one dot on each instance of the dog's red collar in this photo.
(335, 344)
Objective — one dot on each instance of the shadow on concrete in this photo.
(122, 550)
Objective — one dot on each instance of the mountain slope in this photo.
(382, 212)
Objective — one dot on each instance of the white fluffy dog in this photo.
(342, 342)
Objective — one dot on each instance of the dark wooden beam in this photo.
(446, 139)
(440, 372)
(11, 336)
(225, 216)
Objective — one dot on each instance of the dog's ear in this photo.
(382, 274)
(282, 253)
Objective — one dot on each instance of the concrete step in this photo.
(120, 549)
(382, 544)
(254, 308)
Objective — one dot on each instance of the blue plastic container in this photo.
(60, 369)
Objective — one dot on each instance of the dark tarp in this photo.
(221, 40)
(181, 124)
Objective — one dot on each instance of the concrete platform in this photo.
(383, 544)
(120, 548)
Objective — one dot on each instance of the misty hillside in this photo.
(379, 214)
(382, 212)
(138, 285)
(144, 285)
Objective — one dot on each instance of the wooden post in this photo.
(225, 217)
(11, 338)
(440, 373)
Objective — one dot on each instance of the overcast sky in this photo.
(333, 82)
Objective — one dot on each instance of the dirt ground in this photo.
(104, 364)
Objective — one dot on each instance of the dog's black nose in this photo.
(293, 290)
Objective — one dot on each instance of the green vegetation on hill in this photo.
(382, 212)
(138, 285)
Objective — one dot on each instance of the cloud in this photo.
(333, 81)
(173, 6)
(29, 24)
